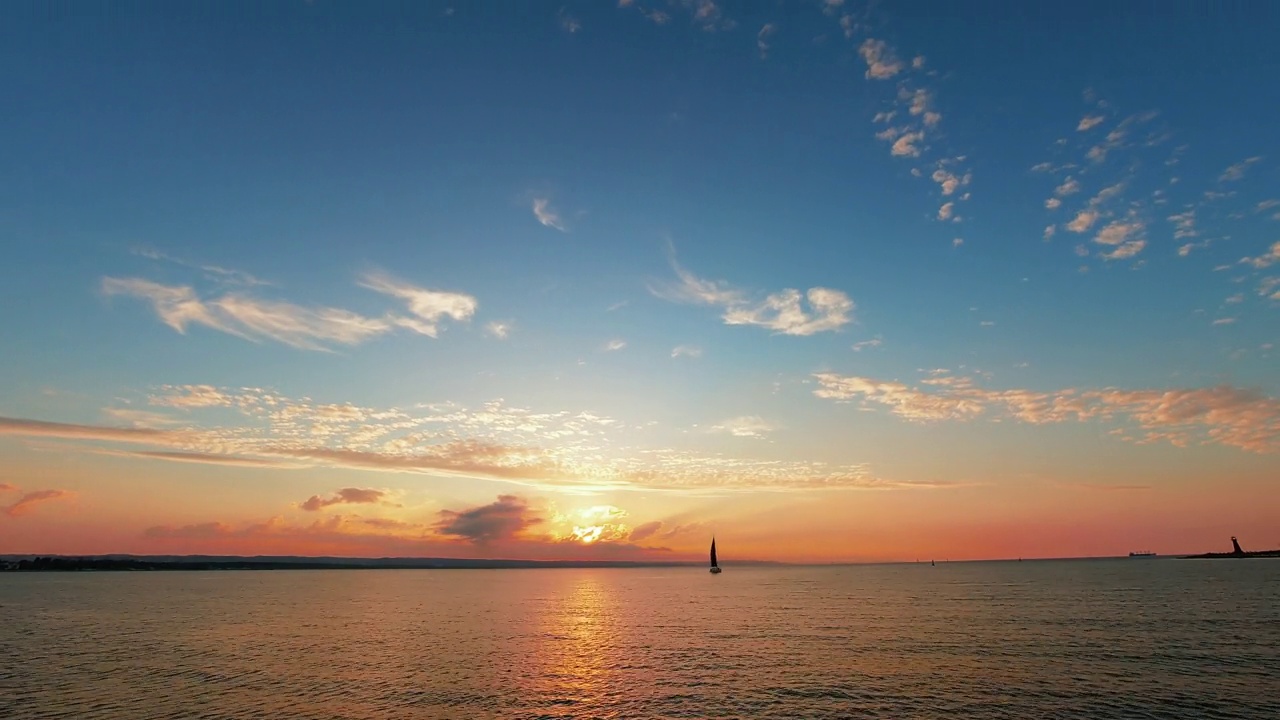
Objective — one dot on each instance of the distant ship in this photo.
(715, 568)
(1142, 554)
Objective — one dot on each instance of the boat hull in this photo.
(715, 571)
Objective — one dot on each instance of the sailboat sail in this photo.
(713, 553)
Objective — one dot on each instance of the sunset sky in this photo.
(832, 281)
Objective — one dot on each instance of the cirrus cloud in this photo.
(783, 312)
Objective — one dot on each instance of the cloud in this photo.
(882, 64)
(874, 342)
(1083, 221)
(1125, 250)
(345, 496)
(192, 396)
(615, 345)
(944, 212)
(686, 351)
(1267, 259)
(1235, 172)
(1123, 237)
(6, 487)
(1053, 203)
(141, 418)
(569, 23)
(905, 145)
(1050, 231)
(949, 182)
(1221, 414)
(645, 531)
(305, 328)
(499, 330)
(429, 307)
(546, 215)
(709, 15)
(215, 273)
(1184, 224)
(1070, 186)
(762, 39)
(202, 458)
(1225, 321)
(558, 450)
(751, 426)
(31, 499)
(197, 530)
(1089, 122)
(38, 428)
(782, 312)
(505, 519)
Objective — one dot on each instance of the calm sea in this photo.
(1065, 639)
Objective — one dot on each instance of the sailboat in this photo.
(715, 569)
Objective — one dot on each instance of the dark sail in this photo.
(713, 553)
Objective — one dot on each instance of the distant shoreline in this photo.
(172, 563)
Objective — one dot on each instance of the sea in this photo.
(1098, 639)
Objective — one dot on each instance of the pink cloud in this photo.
(26, 502)
(345, 496)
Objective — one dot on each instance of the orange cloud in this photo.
(1221, 414)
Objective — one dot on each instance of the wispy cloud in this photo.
(569, 23)
(686, 351)
(308, 328)
(499, 330)
(615, 345)
(782, 312)
(945, 212)
(872, 343)
(1089, 122)
(215, 273)
(548, 216)
(141, 418)
(1221, 414)
(429, 307)
(750, 426)
(561, 450)
(1236, 172)
(31, 499)
(762, 39)
(1267, 259)
(882, 64)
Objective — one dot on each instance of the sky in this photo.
(832, 281)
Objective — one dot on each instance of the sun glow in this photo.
(595, 524)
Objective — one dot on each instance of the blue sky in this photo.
(603, 209)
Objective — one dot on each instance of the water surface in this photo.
(1065, 639)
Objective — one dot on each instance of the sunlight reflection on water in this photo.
(1100, 639)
